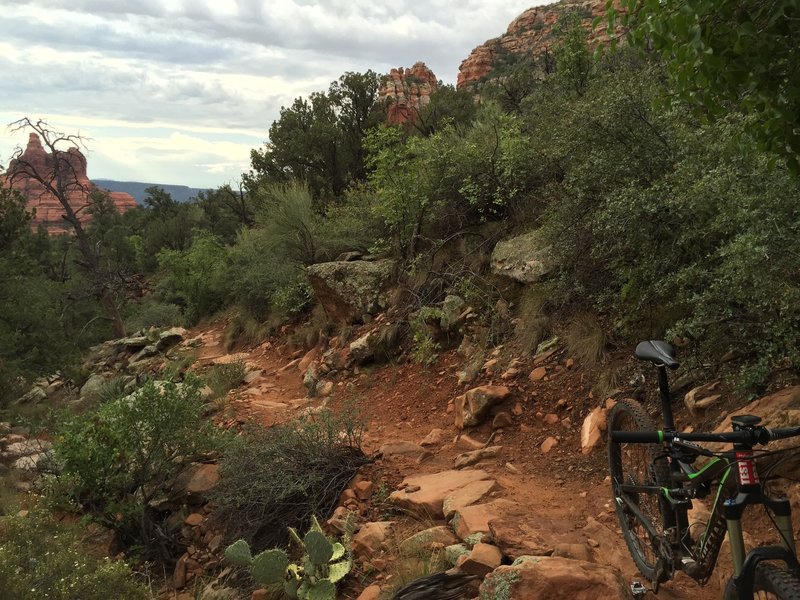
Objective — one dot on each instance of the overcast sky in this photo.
(179, 91)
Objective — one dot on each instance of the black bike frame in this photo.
(687, 483)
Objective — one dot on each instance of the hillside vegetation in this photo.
(652, 213)
(659, 222)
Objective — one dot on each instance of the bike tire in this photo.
(770, 582)
(636, 464)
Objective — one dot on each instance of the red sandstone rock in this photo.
(407, 91)
(77, 186)
(532, 33)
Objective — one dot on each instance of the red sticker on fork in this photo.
(746, 469)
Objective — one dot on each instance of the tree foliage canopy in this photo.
(730, 54)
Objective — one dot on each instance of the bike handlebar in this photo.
(756, 435)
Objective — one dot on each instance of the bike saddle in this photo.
(657, 352)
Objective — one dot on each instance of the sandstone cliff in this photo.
(77, 186)
(531, 33)
(407, 91)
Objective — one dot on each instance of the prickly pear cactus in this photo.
(318, 547)
(338, 570)
(322, 590)
(324, 564)
(338, 551)
(270, 566)
(238, 554)
(290, 587)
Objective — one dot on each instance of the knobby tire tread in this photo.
(622, 415)
(781, 583)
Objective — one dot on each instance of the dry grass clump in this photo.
(586, 340)
(532, 325)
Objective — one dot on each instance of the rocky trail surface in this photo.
(514, 483)
(498, 469)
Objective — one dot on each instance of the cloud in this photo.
(194, 66)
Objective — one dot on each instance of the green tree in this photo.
(319, 140)
(196, 277)
(58, 177)
(227, 210)
(729, 54)
(448, 106)
(32, 338)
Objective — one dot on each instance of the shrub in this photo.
(152, 313)
(223, 378)
(40, 558)
(197, 277)
(130, 451)
(275, 478)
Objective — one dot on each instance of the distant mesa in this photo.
(138, 189)
(48, 210)
(531, 34)
(406, 91)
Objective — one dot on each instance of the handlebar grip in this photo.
(637, 437)
(783, 433)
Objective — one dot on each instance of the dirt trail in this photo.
(562, 490)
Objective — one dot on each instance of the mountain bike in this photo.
(655, 475)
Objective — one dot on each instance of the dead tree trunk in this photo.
(59, 178)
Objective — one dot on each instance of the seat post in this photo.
(666, 404)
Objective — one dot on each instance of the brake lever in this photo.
(691, 447)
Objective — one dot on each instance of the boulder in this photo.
(469, 520)
(91, 389)
(701, 397)
(375, 345)
(22, 448)
(514, 531)
(472, 407)
(424, 495)
(136, 342)
(482, 560)
(428, 540)
(371, 538)
(592, 429)
(452, 313)
(467, 495)
(197, 480)
(467, 459)
(347, 290)
(169, 338)
(34, 395)
(525, 258)
(400, 447)
(552, 578)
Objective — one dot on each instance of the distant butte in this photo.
(48, 210)
(406, 91)
(531, 34)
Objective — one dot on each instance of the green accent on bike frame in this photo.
(710, 463)
(702, 542)
(660, 437)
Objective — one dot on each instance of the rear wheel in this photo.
(770, 582)
(639, 512)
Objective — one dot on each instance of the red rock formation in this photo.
(532, 33)
(407, 91)
(72, 165)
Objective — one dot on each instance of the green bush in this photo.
(40, 558)
(196, 278)
(223, 378)
(275, 478)
(130, 451)
(152, 313)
